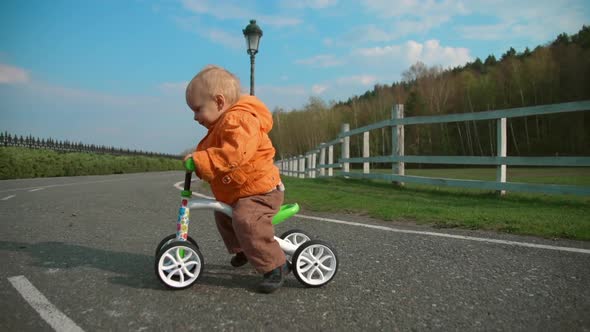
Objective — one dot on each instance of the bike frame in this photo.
(211, 204)
(187, 203)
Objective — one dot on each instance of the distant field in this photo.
(565, 216)
(18, 163)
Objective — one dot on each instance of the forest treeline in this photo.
(553, 73)
(12, 140)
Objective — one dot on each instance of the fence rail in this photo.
(305, 165)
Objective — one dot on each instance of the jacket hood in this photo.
(256, 107)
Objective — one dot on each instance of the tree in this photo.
(562, 39)
(510, 53)
(478, 66)
(490, 61)
(582, 38)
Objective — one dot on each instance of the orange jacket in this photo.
(236, 155)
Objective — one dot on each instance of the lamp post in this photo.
(252, 33)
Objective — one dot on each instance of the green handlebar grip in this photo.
(189, 165)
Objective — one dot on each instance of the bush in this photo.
(18, 163)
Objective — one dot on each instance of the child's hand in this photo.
(189, 163)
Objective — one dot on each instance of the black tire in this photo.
(186, 245)
(169, 239)
(305, 246)
(293, 231)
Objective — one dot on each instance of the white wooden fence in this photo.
(307, 166)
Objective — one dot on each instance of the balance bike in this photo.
(179, 262)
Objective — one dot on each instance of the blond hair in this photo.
(215, 80)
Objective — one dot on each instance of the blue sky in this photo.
(113, 72)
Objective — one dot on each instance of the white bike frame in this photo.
(211, 204)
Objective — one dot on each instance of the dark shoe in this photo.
(238, 260)
(274, 279)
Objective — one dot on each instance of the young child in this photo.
(236, 158)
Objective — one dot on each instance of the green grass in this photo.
(547, 175)
(18, 163)
(551, 216)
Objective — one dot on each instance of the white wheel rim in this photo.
(178, 271)
(316, 264)
(297, 238)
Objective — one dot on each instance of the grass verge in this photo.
(551, 216)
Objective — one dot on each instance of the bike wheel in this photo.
(179, 264)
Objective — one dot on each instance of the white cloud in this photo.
(357, 80)
(173, 87)
(406, 17)
(416, 8)
(226, 10)
(321, 60)
(282, 90)
(430, 52)
(278, 21)
(386, 31)
(218, 36)
(540, 21)
(13, 75)
(66, 95)
(57, 94)
(318, 89)
(287, 97)
(230, 40)
(314, 4)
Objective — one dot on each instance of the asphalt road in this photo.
(87, 244)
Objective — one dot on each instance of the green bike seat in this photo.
(286, 211)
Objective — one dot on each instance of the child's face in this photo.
(206, 108)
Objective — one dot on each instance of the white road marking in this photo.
(8, 197)
(37, 189)
(180, 186)
(452, 236)
(55, 318)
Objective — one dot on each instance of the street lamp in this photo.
(252, 33)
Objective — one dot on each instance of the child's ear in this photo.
(220, 101)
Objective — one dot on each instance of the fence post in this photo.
(330, 159)
(397, 142)
(302, 167)
(289, 166)
(345, 148)
(308, 165)
(322, 160)
(308, 160)
(313, 164)
(501, 144)
(366, 152)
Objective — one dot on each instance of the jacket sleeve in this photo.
(240, 136)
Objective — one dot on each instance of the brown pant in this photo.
(251, 230)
